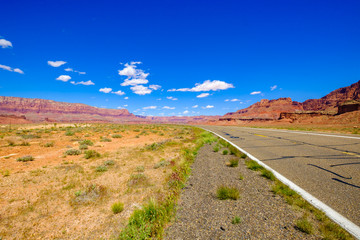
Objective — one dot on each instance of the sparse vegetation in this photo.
(236, 220)
(225, 152)
(252, 165)
(216, 148)
(116, 136)
(101, 168)
(304, 225)
(162, 163)
(49, 144)
(73, 152)
(91, 154)
(105, 139)
(234, 162)
(224, 192)
(117, 207)
(83, 147)
(27, 158)
(267, 174)
(86, 142)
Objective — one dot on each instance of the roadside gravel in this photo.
(201, 215)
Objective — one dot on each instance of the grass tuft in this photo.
(91, 154)
(252, 165)
(267, 174)
(236, 220)
(304, 225)
(234, 162)
(224, 193)
(117, 207)
(27, 158)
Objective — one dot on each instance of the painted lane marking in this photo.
(345, 223)
(259, 135)
(306, 133)
(352, 154)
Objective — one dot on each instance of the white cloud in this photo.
(141, 90)
(120, 93)
(150, 107)
(126, 98)
(56, 63)
(167, 107)
(272, 88)
(208, 106)
(105, 90)
(235, 100)
(172, 98)
(5, 43)
(195, 106)
(7, 68)
(186, 112)
(72, 70)
(255, 92)
(64, 78)
(87, 83)
(226, 100)
(134, 82)
(155, 87)
(202, 95)
(206, 86)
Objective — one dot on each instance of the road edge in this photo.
(345, 223)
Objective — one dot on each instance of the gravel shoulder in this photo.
(201, 215)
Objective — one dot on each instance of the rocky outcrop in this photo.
(285, 108)
(266, 110)
(41, 110)
(331, 102)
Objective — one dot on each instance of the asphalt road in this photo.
(325, 165)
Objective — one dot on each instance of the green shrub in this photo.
(83, 147)
(49, 144)
(236, 220)
(69, 133)
(101, 169)
(216, 148)
(117, 207)
(104, 139)
(225, 152)
(109, 162)
(267, 174)
(73, 152)
(224, 193)
(30, 136)
(140, 168)
(241, 177)
(25, 158)
(162, 163)
(304, 225)
(243, 155)
(91, 154)
(234, 162)
(251, 164)
(116, 136)
(86, 142)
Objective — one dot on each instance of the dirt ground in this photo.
(61, 196)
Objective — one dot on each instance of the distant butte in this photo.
(342, 100)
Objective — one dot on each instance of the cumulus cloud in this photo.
(126, 98)
(87, 83)
(272, 88)
(56, 63)
(208, 106)
(134, 82)
(105, 90)
(172, 98)
(141, 90)
(255, 93)
(154, 87)
(202, 95)
(150, 107)
(7, 68)
(206, 86)
(120, 93)
(167, 107)
(186, 112)
(5, 43)
(235, 100)
(195, 106)
(64, 78)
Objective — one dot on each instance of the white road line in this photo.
(345, 223)
(306, 133)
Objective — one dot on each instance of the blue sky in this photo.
(177, 57)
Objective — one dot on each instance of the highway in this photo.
(325, 165)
